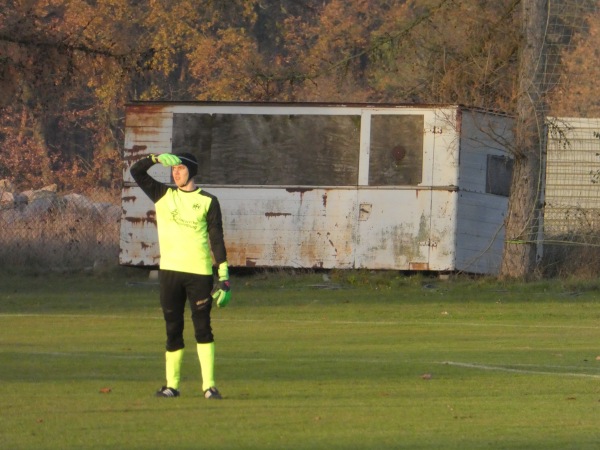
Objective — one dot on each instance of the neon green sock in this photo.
(206, 356)
(173, 362)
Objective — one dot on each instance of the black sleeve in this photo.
(214, 223)
(152, 188)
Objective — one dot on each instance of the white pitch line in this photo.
(512, 370)
(227, 360)
(442, 322)
(415, 322)
(86, 355)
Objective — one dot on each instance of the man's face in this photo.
(181, 175)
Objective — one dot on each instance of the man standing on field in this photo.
(189, 227)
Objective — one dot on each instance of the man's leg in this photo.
(201, 304)
(172, 300)
(173, 362)
(206, 356)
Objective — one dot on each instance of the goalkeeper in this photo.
(189, 227)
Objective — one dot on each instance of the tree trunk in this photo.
(524, 209)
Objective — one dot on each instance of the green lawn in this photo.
(357, 361)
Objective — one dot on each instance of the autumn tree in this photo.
(576, 91)
(65, 70)
(524, 208)
(402, 51)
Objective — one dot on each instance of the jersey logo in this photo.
(186, 223)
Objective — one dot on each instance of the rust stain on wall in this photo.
(133, 153)
(146, 108)
(301, 191)
(244, 253)
(150, 218)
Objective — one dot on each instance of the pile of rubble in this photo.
(32, 204)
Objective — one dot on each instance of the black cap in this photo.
(189, 161)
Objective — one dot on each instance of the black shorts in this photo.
(175, 289)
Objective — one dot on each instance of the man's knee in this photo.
(174, 328)
(204, 336)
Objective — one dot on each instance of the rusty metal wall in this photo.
(401, 227)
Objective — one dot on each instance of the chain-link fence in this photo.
(46, 229)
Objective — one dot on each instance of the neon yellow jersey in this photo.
(183, 231)
(189, 224)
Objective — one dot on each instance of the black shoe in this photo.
(212, 394)
(167, 392)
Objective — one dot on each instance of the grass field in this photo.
(358, 361)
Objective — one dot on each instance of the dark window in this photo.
(271, 149)
(396, 155)
(499, 175)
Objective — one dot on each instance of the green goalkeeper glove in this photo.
(222, 293)
(166, 159)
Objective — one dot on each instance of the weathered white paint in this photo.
(480, 216)
(446, 223)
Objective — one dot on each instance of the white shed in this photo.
(401, 187)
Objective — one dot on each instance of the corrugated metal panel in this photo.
(480, 215)
(396, 230)
(480, 232)
(148, 130)
(572, 194)
(263, 227)
(289, 227)
(139, 239)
